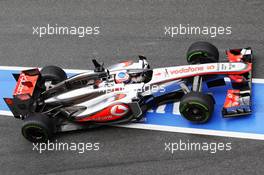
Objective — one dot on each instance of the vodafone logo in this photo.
(119, 110)
(187, 70)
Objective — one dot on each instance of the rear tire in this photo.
(202, 52)
(197, 107)
(38, 128)
(53, 73)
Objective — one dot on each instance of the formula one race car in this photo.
(49, 102)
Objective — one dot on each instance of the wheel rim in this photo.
(195, 111)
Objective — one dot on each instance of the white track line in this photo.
(182, 130)
(195, 131)
(254, 80)
(25, 68)
(258, 80)
(6, 113)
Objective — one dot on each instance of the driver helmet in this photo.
(122, 77)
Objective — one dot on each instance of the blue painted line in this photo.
(246, 124)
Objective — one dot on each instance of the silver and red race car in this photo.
(49, 102)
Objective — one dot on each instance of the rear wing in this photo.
(24, 92)
(238, 99)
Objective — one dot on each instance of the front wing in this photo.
(238, 99)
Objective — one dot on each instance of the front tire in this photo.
(197, 107)
(38, 128)
(202, 52)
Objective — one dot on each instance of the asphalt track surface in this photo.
(128, 28)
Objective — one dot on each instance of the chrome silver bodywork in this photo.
(92, 97)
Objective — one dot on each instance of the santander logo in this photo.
(119, 110)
